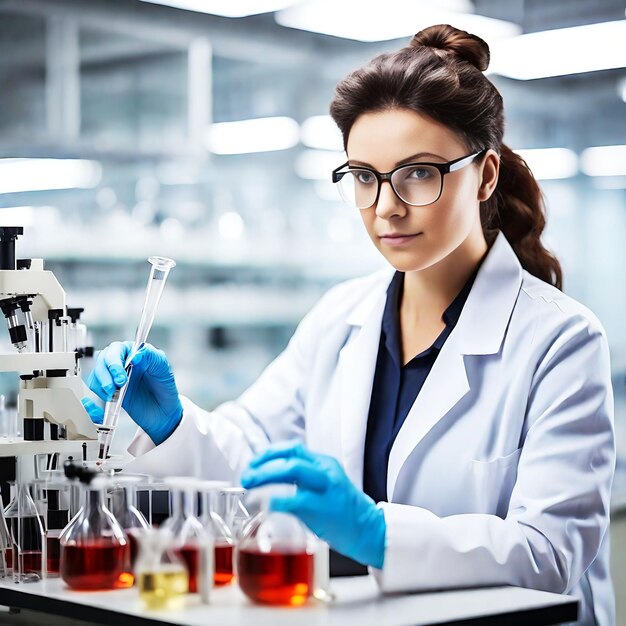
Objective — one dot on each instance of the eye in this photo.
(418, 173)
(364, 177)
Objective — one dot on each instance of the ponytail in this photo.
(517, 209)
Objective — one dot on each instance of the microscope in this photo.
(49, 343)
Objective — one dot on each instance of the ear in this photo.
(489, 169)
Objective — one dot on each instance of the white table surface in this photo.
(358, 602)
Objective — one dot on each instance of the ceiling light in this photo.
(231, 225)
(604, 161)
(364, 20)
(550, 163)
(321, 132)
(18, 175)
(227, 8)
(559, 52)
(318, 164)
(264, 134)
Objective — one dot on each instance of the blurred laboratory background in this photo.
(199, 130)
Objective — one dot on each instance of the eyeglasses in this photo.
(416, 184)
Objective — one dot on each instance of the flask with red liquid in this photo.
(216, 526)
(192, 543)
(123, 507)
(275, 554)
(95, 552)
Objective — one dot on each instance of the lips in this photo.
(398, 239)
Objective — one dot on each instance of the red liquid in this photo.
(223, 564)
(30, 561)
(275, 577)
(97, 564)
(53, 554)
(191, 557)
(8, 555)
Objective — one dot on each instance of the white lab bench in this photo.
(358, 601)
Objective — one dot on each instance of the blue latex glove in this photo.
(152, 396)
(326, 500)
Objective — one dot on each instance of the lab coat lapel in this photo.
(479, 331)
(356, 366)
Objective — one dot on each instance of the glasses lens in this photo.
(417, 184)
(358, 188)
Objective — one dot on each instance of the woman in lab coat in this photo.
(448, 421)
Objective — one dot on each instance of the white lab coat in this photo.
(501, 473)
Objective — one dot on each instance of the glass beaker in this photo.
(222, 537)
(162, 577)
(123, 500)
(275, 554)
(27, 531)
(192, 543)
(234, 511)
(95, 552)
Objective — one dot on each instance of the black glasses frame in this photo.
(444, 168)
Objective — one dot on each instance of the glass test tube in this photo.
(158, 275)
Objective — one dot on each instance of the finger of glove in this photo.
(298, 471)
(114, 357)
(93, 410)
(101, 380)
(152, 361)
(308, 508)
(304, 504)
(283, 450)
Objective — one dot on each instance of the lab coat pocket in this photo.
(492, 482)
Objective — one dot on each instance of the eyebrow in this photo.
(408, 159)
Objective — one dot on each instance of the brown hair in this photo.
(440, 74)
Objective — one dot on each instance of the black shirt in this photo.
(396, 386)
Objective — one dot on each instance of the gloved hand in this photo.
(326, 500)
(152, 396)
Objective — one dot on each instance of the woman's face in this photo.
(381, 140)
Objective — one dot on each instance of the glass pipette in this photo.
(159, 271)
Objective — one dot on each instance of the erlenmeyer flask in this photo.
(192, 543)
(58, 496)
(6, 552)
(124, 509)
(95, 551)
(216, 526)
(234, 511)
(275, 554)
(162, 577)
(27, 531)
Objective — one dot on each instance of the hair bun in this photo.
(444, 37)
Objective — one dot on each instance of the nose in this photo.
(389, 205)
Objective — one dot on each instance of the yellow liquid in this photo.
(164, 589)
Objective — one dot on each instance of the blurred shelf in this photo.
(16, 447)
(207, 306)
(307, 258)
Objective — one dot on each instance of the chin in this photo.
(407, 262)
